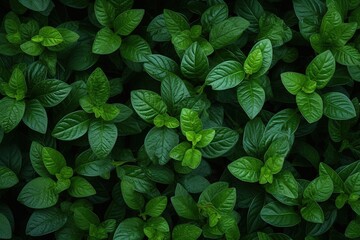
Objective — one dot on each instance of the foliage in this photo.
(202, 119)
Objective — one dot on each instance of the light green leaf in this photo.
(227, 31)
(253, 62)
(279, 215)
(338, 106)
(284, 184)
(310, 106)
(11, 113)
(147, 104)
(39, 193)
(321, 69)
(106, 42)
(53, 160)
(35, 116)
(194, 63)
(347, 55)
(72, 126)
(127, 21)
(156, 206)
(267, 54)
(102, 137)
(190, 121)
(192, 158)
(293, 82)
(251, 97)
(225, 75)
(31, 48)
(207, 136)
(80, 187)
(51, 36)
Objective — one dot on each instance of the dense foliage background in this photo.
(189, 119)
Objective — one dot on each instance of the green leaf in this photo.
(158, 144)
(39, 193)
(190, 121)
(53, 160)
(104, 12)
(246, 169)
(87, 164)
(347, 55)
(156, 206)
(253, 134)
(5, 227)
(130, 229)
(251, 97)
(35, 116)
(72, 126)
(184, 204)
(147, 104)
(102, 137)
(192, 158)
(80, 187)
(220, 195)
(11, 113)
(126, 22)
(178, 151)
(324, 169)
(135, 49)
(207, 136)
(273, 28)
(225, 75)
(352, 183)
(312, 212)
(227, 31)
(320, 189)
(35, 5)
(157, 29)
(8, 178)
(310, 106)
(352, 230)
(279, 215)
(36, 159)
(17, 85)
(84, 217)
(51, 36)
(321, 69)
(98, 87)
(175, 22)
(284, 184)
(132, 198)
(337, 106)
(253, 62)
(194, 63)
(251, 10)
(186, 232)
(31, 48)
(266, 49)
(224, 140)
(45, 221)
(160, 67)
(213, 15)
(293, 82)
(106, 42)
(51, 92)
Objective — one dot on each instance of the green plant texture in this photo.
(183, 120)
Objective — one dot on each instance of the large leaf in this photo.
(279, 215)
(102, 137)
(246, 169)
(293, 82)
(147, 104)
(51, 92)
(227, 31)
(35, 116)
(104, 12)
(127, 21)
(320, 189)
(337, 106)
(11, 113)
(175, 22)
(158, 144)
(321, 69)
(194, 63)
(106, 42)
(251, 97)
(160, 67)
(134, 48)
(225, 75)
(224, 140)
(310, 106)
(36, 5)
(98, 87)
(130, 229)
(45, 221)
(72, 126)
(39, 193)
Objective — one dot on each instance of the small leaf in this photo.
(45, 221)
(337, 106)
(106, 42)
(246, 169)
(194, 63)
(156, 206)
(102, 137)
(279, 215)
(51, 36)
(127, 21)
(321, 69)
(310, 106)
(147, 104)
(72, 126)
(251, 97)
(293, 82)
(80, 187)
